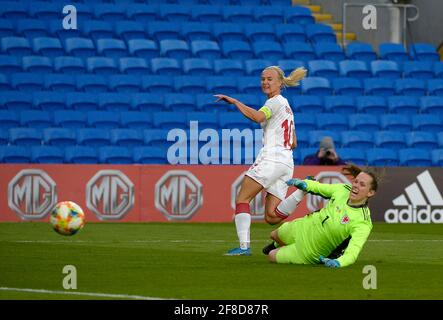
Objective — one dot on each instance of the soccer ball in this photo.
(67, 218)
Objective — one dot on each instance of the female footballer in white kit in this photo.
(274, 164)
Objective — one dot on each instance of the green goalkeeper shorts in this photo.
(289, 233)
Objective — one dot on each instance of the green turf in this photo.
(185, 261)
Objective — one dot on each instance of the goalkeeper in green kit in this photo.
(334, 235)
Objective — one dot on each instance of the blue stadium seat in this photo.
(411, 87)
(435, 87)
(92, 83)
(143, 48)
(129, 30)
(127, 137)
(354, 155)
(197, 67)
(403, 104)
(60, 82)
(142, 12)
(299, 51)
(260, 32)
(383, 157)
(8, 119)
(133, 66)
(308, 104)
(205, 120)
(126, 83)
(323, 68)
(16, 100)
(4, 84)
(250, 85)
(385, 69)
(82, 101)
(189, 84)
(238, 14)
(47, 154)
(158, 84)
(437, 157)
(114, 155)
(206, 103)
(332, 121)
(31, 28)
(354, 69)
(25, 136)
(225, 84)
(80, 47)
(166, 66)
(10, 64)
(109, 12)
(155, 137)
(162, 30)
(179, 102)
(112, 48)
(418, 69)
(48, 47)
(316, 86)
(288, 33)
(229, 67)
(317, 135)
(81, 155)
(289, 65)
(35, 119)
(150, 155)
(170, 120)
(440, 138)
(282, 3)
(302, 142)
(320, 32)
(298, 15)
(250, 100)
(361, 51)
(329, 51)
(24, 81)
(379, 87)
(271, 50)
(69, 65)
(207, 13)
(268, 14)
(229, 120)
(56, 29)
(237, 50)
(4, 137)
(46, 11)
(49, 101)
(414, 157)
(61, 137)
(206, 49)
(97, 29)
(103, 119)
(16, 46)
(176, 49)
(347, 86)
(192, 31)
(254, 67)
(70, 119)
(135, 120)
(421, 139)
(148, 102)
(101, 65)
(357, 139)
(399, 122)
(390, 139)
(13, 10)
(423, 52)
(393, 51)
(37, 64)
(114, 101)
(15, 154)
(175, 13)
(93, 137)
(305, 151)
(364, 122)
(432, 105)
(340, 104)
(6, 28)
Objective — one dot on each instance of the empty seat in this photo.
(399, 122)
(109, 12)
(197, 67)
(437, 157)
(128, 30)
(323, 68)
(329, 51)
(347, 86)
(423, 52)
(14, 10)
(382, 157)
(143, 48)
(4, 138)
(390, 139)
(176, 49)
(332, 121)
(93, 137)
(48, 47)
(160, 30)
(414, 157)
(133, 66)
(421, 139)
(10, 64)
(317, 135)
(179, 102)
(114, 155)
(49, 101)
(141, 12)
(15, 154)
(206, 103)
(6, 28)
(37, 64)
(393, 51)
(205, 120)
(56, 29)
(35, 119)
(81, 155)
(101, 65)
(207, 13)
(288, 65)
(254, 67)
(125, 83)
(435, 87)
(166, 66)
(238, 14)
(155, 137)
(25, 136)
(227, 85)
(364, 122)
(69, 65)
(189, 84)
(271, 50)
(60, 82)
(248, 99)
(8, 119)
(319, 32)
(196, 31)
(59, 137)
(92, 83)
(403, 104)
(158, 83)
(135, 119)
(268, 14)
(228, 67)
(288, 33)
(316, 86)
(97, 29)
(260, 32)
(353, 155)
(82, 101)
(112, 48)
(16, 100)
(149, 155)
(354, 69)
(385, 69)
(114, 101)
(237, 50)
(16, 46)
(70, 119)
(433, 105)
(379, 87)
(228, 120)
(169, 120)
(80, 47)
(47, 154)
(103, 119)
(418, 69)
(299, 51)
(147, 102)
(302, 142)
(175, 13)
(411, 87)
(24, 81)
(298, 15)
(250, 85)
(340, 104)
(206, 49)
(357, 139)
(308, 104)
(126, 137)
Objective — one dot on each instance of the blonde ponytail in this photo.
(293, 79)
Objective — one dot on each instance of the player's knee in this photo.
(274, 235)
(272, 256)
(272, 219)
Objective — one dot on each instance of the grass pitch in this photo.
(185, 261)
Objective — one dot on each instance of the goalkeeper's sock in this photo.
(243, 224)
(288, 206)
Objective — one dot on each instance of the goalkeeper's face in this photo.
(361, 188)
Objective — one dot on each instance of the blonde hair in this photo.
(294, 77)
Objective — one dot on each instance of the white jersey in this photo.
(278, 131)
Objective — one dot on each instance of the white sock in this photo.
(288, 206)
(243, 225)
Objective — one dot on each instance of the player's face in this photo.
(361, 188)
(270, 83)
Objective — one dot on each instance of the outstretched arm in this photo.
(360, 234)
(248, 112)
(325, 190)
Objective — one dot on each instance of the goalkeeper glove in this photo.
(300, 184)
(330, 263)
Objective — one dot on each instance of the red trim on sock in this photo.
(280, 214)
(242, 208)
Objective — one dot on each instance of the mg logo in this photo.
(110, 194)
(32, 194)
(316, 202)
(178, 195)
(257, 204)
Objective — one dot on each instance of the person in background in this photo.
(325, 156)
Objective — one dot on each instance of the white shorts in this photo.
(272, 176)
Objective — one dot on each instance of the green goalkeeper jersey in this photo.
(334, 223)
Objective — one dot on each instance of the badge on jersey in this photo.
(344, 219)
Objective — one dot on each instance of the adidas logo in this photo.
(421, 202)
